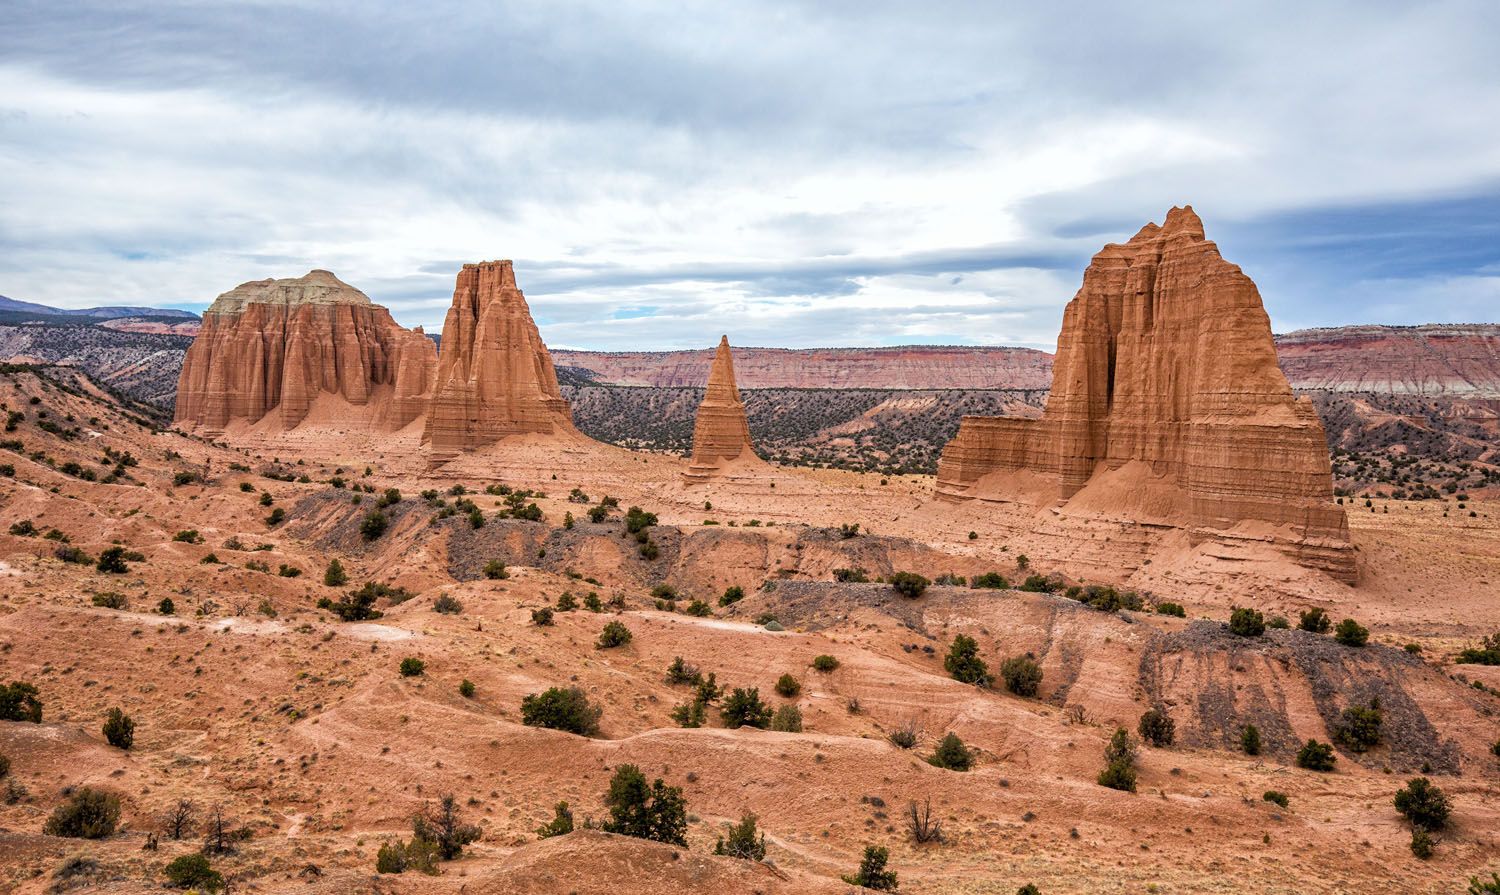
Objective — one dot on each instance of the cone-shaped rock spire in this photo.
(720, 433)
(494, 376)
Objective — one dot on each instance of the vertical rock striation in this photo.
(720, 433)
(270, 350)
(1167, 403)
(494, 376)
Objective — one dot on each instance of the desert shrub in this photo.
(1421, 843)
(787, 719)
(110, 599)
(1351, 633)
(561, 823)
(690, 714)
(1482, 887)
(732, 594)
(542, 617)
(743, 708)
(1022, 675)
(112, 561)
(286, 571)
(25, 528)
(906, 735)
(657, 812)
(466, 688)
(614, 634)
(358, 605)
(825, 663)
(1106, 599)
(119, 729)
(193, 871)
(682, 672)
(1315, 620)
(909, 584)
(447, 605)
(1358, 727)
(19, 701)
(1278, 623)
(1119, 762)
(88, 814)
(443, 828)
(188, 536)
(1250, 740)
(788, 686)
(1316, 756)
(373, 525)
(334, 575)
(1423, 803)
(872, 873)
(411, 666)
(566, 602)
(851, 576)
(390, 498)
(276, 517)
(989, 581)
(1275, 797)
(699, 609)
(1038, 584)
(649, 550)
(743, 841)
(561, 709)
(774, 625)
(1157, 727)
(951, 754)
(963, 662)
(1173, 609)
(166, 606)
(592, 603)
(399, 857)
(1246, 622)
(70, 554)
(1487, 653)
(598, 513)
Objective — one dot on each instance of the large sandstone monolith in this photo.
(271, 352)
(1167, 405)
(721, 436)
(494, 376)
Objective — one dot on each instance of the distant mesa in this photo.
(495, 378)
(721, 435)
(274, 354)
(1167, 407)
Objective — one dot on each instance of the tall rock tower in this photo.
(494, 376)
(720, 434)
(1166, 396)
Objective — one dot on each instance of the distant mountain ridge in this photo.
(13, 306)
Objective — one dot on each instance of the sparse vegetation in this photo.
(442, 827)
(1246, 622)
(963, 662)
(825, 663)
(1358, 727)
(951, 754)
(119, 729)
(20, 701)
(87, 814)
(411, 666)
(743, 841)
(1022, 675)
(732, 594)
(743, 708)
(787, 719)
(788, 686)
(1316, 756)
(334, 575)
(1351, 633)
(1275, 797)
(1157, 727)
(112, 561)
(909, 584)
(872, 872)
(561, 823)
(1250, 740)
(614, 634)
(1314, 621)
(657, 812)
(373, 525)
(1119, 762)
(562, 709)
(193, 871)
(1423, 804)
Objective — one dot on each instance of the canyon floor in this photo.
(299, 729)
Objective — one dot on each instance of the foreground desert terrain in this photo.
(298, 728)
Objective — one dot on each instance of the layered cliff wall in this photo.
(1167, 404)
(494, 375)
(270, 351)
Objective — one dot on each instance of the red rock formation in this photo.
(494, 376)
(720, 434)
(1435, 360)
(1167, 404)
(270, 349)
(907, 366)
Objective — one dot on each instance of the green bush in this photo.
(399, 857)
(787, 719)
(681, 672)
(1022, 675)
(743, 708)
(1423, 803)
(1487, 653)
(1350, 633)
(119, 729)
(561, 709)
(1316, 756)
(88, 814)
(1358, 727)
(334, 575)
(373, 525)
(112, 561)
(1246, 622)
(447, 605)
(1276, 797)
(1315, 621)
(566, 602)
(963, 662)
(193, 871)
(1157, 727)
(614, 634)
(466, 688)
(188, 536)
(952, 754)
(560, 825)
(657, 812)
(1482, 887)
(166, 606)
(1173, 609)
(788, 686)
(1250, 740)
(732, 594)
(743, 841)
(359, 605)
(1038, 584)
(542, 617)
(850, 576)
(698, 609)
(411, 666)
(825, 663)
(443, 828)
(110, 599)
(1119, 763)
(276, 517)
(872, 873)
(909, 584)
(1421, 843)
(19, 702)
(989, 581)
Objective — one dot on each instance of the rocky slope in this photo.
(282, 351)
(1167, 407)
(1434, 360)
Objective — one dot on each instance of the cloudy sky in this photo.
(821, 173)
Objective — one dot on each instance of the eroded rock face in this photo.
(1435, 360)
(269, 351)
(494, 376)
(720, 433)
(1167, 404)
